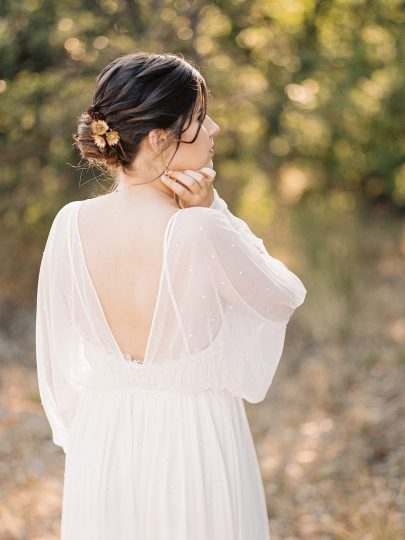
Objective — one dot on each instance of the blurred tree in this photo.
(308, 94)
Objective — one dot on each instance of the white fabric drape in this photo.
(56, 343)
(219, 322)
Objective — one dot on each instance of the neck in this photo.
(130, 183)
(131, 186)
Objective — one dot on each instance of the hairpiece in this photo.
(102, 133)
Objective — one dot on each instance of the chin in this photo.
(207, 163)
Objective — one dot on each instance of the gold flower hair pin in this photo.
(102, 133)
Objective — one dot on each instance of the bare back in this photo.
(122, 242)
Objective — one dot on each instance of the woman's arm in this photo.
(237, 223)
(241, 267)
(55, 340)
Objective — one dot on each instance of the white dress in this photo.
(163, 450)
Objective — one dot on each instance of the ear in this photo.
(158, 139)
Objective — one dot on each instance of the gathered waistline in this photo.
(171, 392)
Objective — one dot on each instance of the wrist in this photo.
(214, 199)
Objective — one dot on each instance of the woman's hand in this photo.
(192, 188)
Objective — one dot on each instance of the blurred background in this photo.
(309, 95)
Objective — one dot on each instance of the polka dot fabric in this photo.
(161, 449)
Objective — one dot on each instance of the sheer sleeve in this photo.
(55, 343)
(264, 282)
(237, 223)
(222, 275)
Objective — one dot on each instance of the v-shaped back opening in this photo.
(124, 355)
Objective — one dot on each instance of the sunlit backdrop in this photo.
(309, 96)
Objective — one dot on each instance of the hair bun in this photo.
(135, 94)
(94, 112)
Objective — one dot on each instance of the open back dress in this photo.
(162, 450)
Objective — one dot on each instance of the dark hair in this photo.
(137, 93)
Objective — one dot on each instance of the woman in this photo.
(155, 321)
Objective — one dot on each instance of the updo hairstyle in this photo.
(135, 94)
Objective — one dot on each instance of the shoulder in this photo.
(200, 224)
(198, 230)
(62, 219)
(66, 210)
(200, 218)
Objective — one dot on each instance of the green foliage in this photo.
(309, 91)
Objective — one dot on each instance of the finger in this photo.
(208, 173)
(175, 186)
(188, 181)
(198, 177)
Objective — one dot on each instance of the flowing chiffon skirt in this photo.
(155, 465)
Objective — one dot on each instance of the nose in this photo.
(215, 129)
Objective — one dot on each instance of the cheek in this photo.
(203, 138)
(195, 155)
